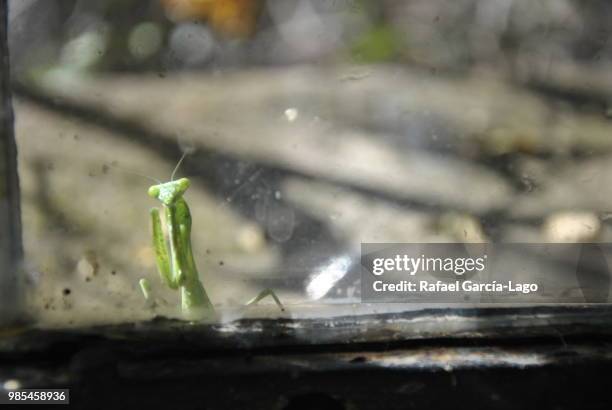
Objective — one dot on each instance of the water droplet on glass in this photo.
(291, 114)
(280, 222)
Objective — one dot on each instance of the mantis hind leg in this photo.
(263, 294)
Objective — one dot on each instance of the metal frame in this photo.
(11, 249)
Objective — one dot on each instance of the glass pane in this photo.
(305, 129)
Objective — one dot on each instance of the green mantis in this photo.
(174, 253)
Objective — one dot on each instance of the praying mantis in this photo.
(174, 253)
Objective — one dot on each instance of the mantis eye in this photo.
(154, 191)
(184, 183)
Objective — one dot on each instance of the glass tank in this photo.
(277, 138)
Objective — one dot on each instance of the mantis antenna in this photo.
(178, 165)
(135, 173)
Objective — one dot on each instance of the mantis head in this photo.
(169, 192)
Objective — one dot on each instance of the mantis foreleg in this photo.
(166, 271)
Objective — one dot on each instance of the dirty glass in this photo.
(306, 128)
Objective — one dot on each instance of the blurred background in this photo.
(311, 126)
